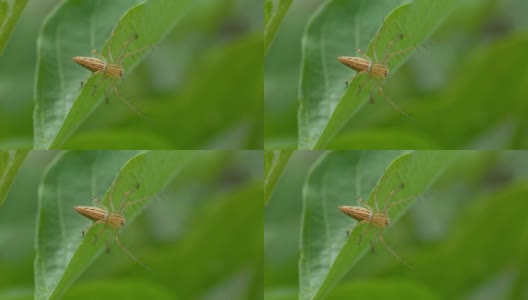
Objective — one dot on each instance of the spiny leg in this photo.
(357, 74)
(125, 45)
(134, 37)
(355, 226)
(389, 47)
(98, 54)
(125, 196)
(110, 195)
(363, 234)
(364, 204)
(96, 237)
(360, 52)
(389, 56)
(375, 196)
(109, 44)
(135, 201)
(402, 201)
(99, 204)
(128, 252)
(392, 251)
(90, 227)
(362, 84)
(133, 52)
(390, 101)
(97, 84)
(126, 102)
(111, 200)
(136, 186)
(374, 45)
(388, 201)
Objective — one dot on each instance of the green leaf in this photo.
(274, 164)
(220, 105)
(382, 289)
(118, 139)
(8, 19)
(224, 238)
(477, 247)
(16, 294)
(381, 139)
(74, 29)
(118, 289)
(274, 12)
(74, 179)
(10, 162)
(338, 29)
(281, 294)
(478, 110)
(338, 178)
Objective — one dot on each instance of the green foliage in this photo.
(471, 99)
(58, 82)
(10, 162)
(198, 233)
(274, 164)
(383, 289)
(118, 289)
(341, 173)
(274, 12)
(460, 234)
(443, 86)
(60, 256)
(378, 139)
(206, 90)
(239, 215)
(324, 110)
(173, 83)
(8, 19)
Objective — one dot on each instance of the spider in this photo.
(375, 69)
(376, 218)
(111, 70)
(112, 219)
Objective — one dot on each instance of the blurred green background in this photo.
(192, 216)
(172, 86)
(466, 88)
(466, 237)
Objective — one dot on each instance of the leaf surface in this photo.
(74, 179)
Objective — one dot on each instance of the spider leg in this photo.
(133, 52)
(390, 101)
(126, 102)
(90, 227)
(392, 251)
(387, 202)
(125, 197)
(96, 237)
(357, 74)
(389, 47)
(363, 234)
(374, 45)
(97, 84)
(389, 56)
(362, 84)
(134, 37)
(355, 226)
(128, 252)
(362, 53)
